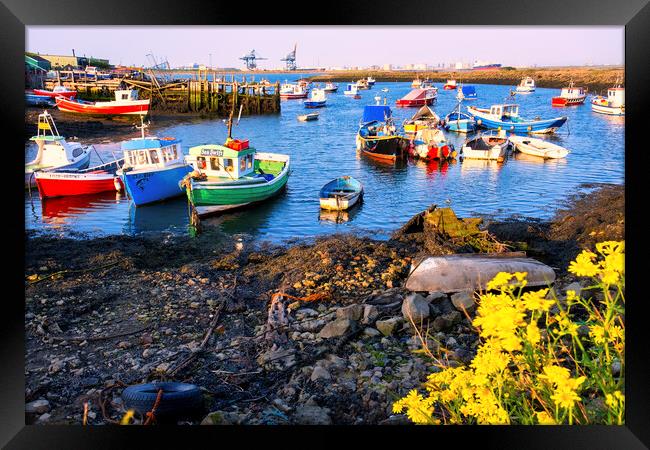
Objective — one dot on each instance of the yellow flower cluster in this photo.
(611, 266)
(519, 373)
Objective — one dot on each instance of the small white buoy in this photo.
(239, 245)
(117, 184)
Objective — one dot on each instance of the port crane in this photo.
(290, 59)
(251, 60)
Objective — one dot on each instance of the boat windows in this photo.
(142, 157)
(125, 96)
(242, 164)
(200, 162)
(153, 155)
(249, 158)
(77, 152)
(228, 164)
(214, 163)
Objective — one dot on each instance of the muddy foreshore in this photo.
(104, 313)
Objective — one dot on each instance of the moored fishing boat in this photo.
(506, 117)
(613, 104)
(377, 136)
(126, 103)
(526, 85)
(56, 92)
(363, 84)
(331, 87)
(33, 99)
(423, 118)
(417, 83)
(54, 152)
(291, 91)
(317, 99)
(459, 121)
(63, 182)
(233, 175)
(341, 193)
(449, 85)
(466, 93)
(352, 90)
(486, 146)
(371, 81)
(418, 97)
(308, 117)
(569, 96)
(152, 168)
(538, 147)
(430, 144)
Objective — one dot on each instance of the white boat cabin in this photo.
(126, 95)
(318, 95)
(526, 84)
(53, 150)
(351, 89)
(573, 92)
(506, 110)
(616, 96)
(152, 153)
(220, 161)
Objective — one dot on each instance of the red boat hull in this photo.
(55, 94)
(139, 108)
(289, 96)
(418, 102)
(448, 87)
(61, 187)
(562, 101)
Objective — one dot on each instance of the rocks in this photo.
(371, 332)
(389, 326)
(312, 415)
(223, 418)
(436, 296)
(320, 373)
(415, 308)
(463, 301)
(386, 297)
(277, 358)
(37, 407)
(352, 312)
(337, 328)
(370, 314)
(575, 286)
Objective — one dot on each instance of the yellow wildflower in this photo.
(536, 301)
(500, 280)
(597, 333)
(571, 297)
(555, 374)
(532, 333)
(544, 418)
(418, 409)
(583, 265)
(565, 398)
(610, 247)
(616, 333)
(126, 419)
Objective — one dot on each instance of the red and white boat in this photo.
(289, 90)
(64, 182)
(56, 92)
(418, 97)
(126, 103)
(570, 96)
(449, 85)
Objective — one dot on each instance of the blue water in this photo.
(324, 149)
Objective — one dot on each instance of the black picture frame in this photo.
(15, 15)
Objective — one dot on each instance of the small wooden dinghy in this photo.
(538, 147)
(308, 117)
(469, 272)
(340, 194)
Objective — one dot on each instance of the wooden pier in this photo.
(203, 93)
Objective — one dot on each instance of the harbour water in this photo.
(325, 149)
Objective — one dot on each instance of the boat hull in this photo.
(136, 107)
(292, 96)
(609, 110)
(61, 185)
(564, 101)
(537, 126)
(496, 151)
(387, 149)
(461, 126)
(417, 102)
(333, 204)
(146, 187)
(211, 198)
(82, 163)
(311, 104)
(67, 94)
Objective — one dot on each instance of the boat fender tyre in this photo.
(479, 122)
(178, 399)
(530, 128)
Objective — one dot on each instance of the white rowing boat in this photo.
(538, 147)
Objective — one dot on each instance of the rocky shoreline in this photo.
(335, 347)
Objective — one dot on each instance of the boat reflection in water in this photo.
(468, 166)
(67, 210)
(531, 159)
(340, 216)
(434, 166)
(170, 215)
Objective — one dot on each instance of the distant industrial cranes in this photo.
(290, 59)
(251, 59)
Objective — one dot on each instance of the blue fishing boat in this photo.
(506, 117)
(317, 99)
(153, 168)
(467, 93)
(32, 99)
(459, 122)
(341, 193)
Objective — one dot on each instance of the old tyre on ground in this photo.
(178, 399)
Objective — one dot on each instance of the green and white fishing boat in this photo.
(232, 175)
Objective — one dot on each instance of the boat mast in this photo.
(142, 126)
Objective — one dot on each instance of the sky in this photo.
(335, 46)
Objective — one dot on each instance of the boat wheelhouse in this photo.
(352, 90)
(126, 103)
(417, 83)
(449, 85)
(506, 117)
(363, 84)
(331, 87)
(569, 96)
(54, 151)
(317, 99)
(526, 85)
(613, 105)
(152, 169)
(371, 81)
(289, 91)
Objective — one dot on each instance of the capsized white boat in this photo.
(538, 147)
(469, 272)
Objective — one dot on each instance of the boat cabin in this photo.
(53, 150)
(126, 95)
(152, 152)
(616, 96)
(504, 111)
(527, 82)
(352, 88)
(220, 161)
(318, 95)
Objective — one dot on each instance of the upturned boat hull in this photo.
(154, 185)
